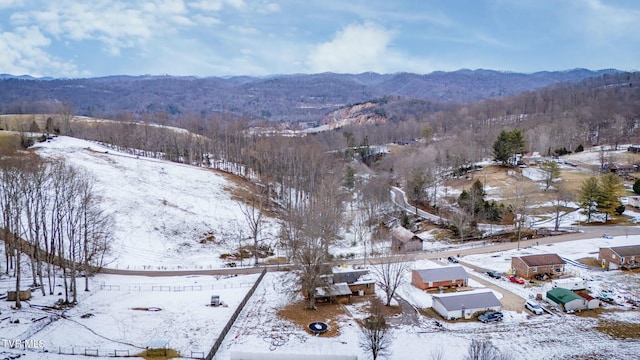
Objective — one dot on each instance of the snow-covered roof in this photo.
(334, 290)
(442, 273)
(402, 234)
(467, 300)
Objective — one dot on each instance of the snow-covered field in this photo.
(123, 314)
(162, 210)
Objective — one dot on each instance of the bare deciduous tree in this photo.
(375, 336)
(390, 271)
(484, 350)
(253, 211)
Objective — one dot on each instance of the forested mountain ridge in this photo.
(281, 98)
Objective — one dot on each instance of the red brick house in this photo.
(444, 276)
(531, 265)
(620, 257)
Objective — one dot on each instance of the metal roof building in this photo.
(566, 299)
(465, 304)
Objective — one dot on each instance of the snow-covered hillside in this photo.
(162, 209)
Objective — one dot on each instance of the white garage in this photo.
(465, 304)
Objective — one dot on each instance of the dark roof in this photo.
(542, 260)
(348, 277)
(468, 300)
(585, 296)
(631, 250)
(442, 273)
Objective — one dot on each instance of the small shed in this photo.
(566, 299)
(620, 257)
(359, 281)
(465, 304)
(531, 265)
(444, 276)
(403, 240)
(592, 303)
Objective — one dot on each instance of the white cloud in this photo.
(356, 48)
(116, 24)
(216, 5)
(6, 4)
(602, 22)
(23, 54)
(360, 48)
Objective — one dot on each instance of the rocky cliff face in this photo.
(360, 114)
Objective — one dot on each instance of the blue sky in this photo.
(77, 38)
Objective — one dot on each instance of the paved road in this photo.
(585, 233)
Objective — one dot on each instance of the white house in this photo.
(465, 304)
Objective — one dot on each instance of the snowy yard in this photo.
(123, 314)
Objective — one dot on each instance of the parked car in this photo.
(516, 279)
(490, 316)
(494, 274)
(607, 236)
(533, 307)
(452, 259)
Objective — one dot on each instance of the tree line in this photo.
(52, 223)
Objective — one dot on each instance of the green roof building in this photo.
(566, 299)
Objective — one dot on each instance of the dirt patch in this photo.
(618, 329)
(332, 314)
(159, 354)
(301, 316)
(590, 261)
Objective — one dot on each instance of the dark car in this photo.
(490, 316)
(494, 274)
(452, 259)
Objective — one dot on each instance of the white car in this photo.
(533, 307)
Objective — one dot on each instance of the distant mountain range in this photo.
(291, 98)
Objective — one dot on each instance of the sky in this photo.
(78, 38)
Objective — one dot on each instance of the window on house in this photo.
(534, 269)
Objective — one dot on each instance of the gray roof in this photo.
(403, 235)
(348, 277)
(334, 290)
(443, 273)
(631, 250)
(469, 300)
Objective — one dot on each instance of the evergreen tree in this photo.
(636, 187)
(588, 196)
(508, 144)
(611, 190)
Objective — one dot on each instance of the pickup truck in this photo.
(490, 316)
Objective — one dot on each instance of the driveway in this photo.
(509, 301)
